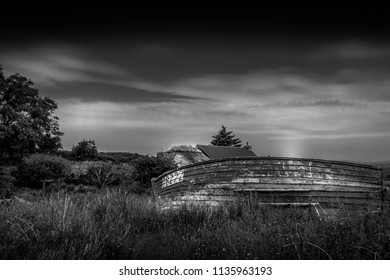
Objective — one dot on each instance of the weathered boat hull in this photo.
(271, 180)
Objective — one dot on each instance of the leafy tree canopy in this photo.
(85, 150)
(27, 123)
(225, 138)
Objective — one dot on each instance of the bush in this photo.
(103, 174)
(40, 167)
(118, 157)
(147, 167)
(97, 173)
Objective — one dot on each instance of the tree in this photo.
(148, 167)
(27, 123)
(85, 150)
(225, 138)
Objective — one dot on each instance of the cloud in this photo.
(258, 85)
(315, 103)
(283, 99)
(351, 50)
(95, 92)
(59, 63)
(226, 113)
(337, 136)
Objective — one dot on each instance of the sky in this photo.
(316, 87)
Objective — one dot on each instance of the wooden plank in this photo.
(329, 187)
(285, 199)
(279, 168)
(238, 187)
(282, 174)
(281, 194)
(363, 195)
(291, 181)
(309, 196)
(276, 160)
(371, 188)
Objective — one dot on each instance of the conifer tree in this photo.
(225, 138)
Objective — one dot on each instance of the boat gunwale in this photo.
(374, 167)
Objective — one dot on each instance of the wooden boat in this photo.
(273, 180)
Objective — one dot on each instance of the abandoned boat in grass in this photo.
(273, 180)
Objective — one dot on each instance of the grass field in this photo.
(112, 224)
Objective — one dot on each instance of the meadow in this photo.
(112, 223)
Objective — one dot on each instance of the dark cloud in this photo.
(174, 79)
(315, 103)
(227, 114)
(95, 92)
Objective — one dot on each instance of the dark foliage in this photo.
(115, 157)
(118, 157)
(85, 150)
(99, 174)
(6, 183)
(27, 123)
(40, 167)
(225, 138)
(65, 154)
(148, 167)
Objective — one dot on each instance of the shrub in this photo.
(103, 174)
(78, 172)
(148, 167)
(118, 157)
(40, 167)
(98, 173)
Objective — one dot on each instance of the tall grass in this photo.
(111, 224)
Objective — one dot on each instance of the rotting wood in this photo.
(274, 180)
(281, 162)
(268, 180)
(276, 168)
(276, 160)
(221, 191)
(305, 194)
(252, 176)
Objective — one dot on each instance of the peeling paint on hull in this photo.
(273, 180)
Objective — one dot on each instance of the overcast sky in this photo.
(307, 88)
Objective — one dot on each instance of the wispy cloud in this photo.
(351, 50)
(59, 63)
(332, 136)
(315, 103)
(103, 92)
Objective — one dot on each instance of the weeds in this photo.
(112, 224)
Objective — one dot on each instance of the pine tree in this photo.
(225, 138)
